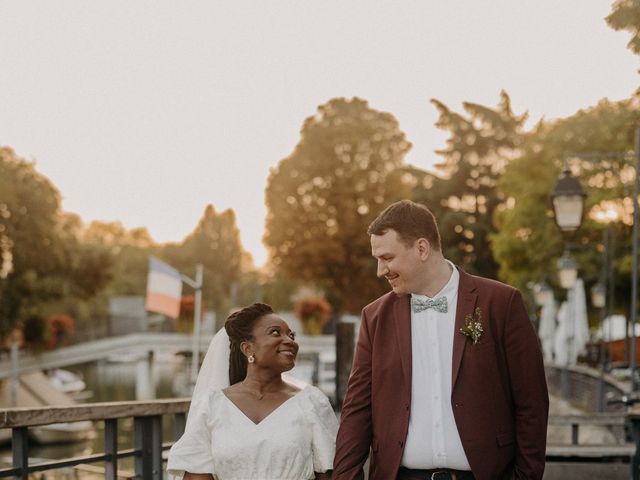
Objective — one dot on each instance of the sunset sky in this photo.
(145, 111)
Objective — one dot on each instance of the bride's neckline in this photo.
(275, 409)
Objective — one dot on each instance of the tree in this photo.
(345, 169)
(625, 15)
(527, 243)
(479, 147)
(215, 243)
(130, 250)
(42, 258)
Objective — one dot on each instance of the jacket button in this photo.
(401, 444)
(407, 406)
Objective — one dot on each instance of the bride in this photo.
(260, 427)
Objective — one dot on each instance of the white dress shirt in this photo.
(433, 440)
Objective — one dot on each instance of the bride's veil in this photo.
(214, 371)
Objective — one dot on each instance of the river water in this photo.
(109, 382)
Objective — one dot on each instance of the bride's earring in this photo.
(251, 358)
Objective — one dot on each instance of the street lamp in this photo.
(567, 271)
(598, 295)
(541, 293)
(568, 202)
(568, 205)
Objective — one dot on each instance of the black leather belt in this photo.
(435, 474)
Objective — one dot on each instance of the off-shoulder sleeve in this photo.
(192, 453)
(324, 427)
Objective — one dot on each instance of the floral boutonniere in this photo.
(473, 326)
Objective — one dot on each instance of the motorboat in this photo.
(35, 390)
(66, 381)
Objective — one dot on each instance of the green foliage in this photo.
(345, 169)
(130, 250)
(215, 243)
(625, 15)
(480, 145)
(249, 288)
(43, 259)
(527, 243)
(277, 291)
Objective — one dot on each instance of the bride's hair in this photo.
(239, 327)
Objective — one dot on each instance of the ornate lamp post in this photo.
(568, 207)
(599, 300)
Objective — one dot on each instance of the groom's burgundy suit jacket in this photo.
(499, 392)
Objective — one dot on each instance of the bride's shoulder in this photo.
(317, 408)
(212, 395)
(314, 397)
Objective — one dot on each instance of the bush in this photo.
(62, 330)
(314, 313)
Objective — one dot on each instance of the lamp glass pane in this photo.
(598, 296)
(568, 277)
(541, 295)
(568, 210)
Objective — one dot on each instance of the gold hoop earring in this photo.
(251, 358)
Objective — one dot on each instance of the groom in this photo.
(447, 380)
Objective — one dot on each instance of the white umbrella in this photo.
(547, 328)
(572, 334)
(581, 322)
(560, 351)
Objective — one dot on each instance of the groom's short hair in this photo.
(410, 220)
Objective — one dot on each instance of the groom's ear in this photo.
(424, 248)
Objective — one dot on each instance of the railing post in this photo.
(148, 443)
(574, 434)
(179, 425)
(111, 448)
(20, 447)
(635, 433)
(156, 446)
(142, 444)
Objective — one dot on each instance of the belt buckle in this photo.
(436, 475)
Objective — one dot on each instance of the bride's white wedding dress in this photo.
(292, 442)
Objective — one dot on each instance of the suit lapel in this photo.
(402, 321)
(466, 303)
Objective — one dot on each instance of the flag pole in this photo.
(197, 312)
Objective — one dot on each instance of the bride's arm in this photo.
(198, 476)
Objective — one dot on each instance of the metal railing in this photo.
(136, 342)
(148, 443)
(147, 435)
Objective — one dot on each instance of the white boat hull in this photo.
(63, 432)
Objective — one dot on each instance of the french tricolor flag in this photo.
(164, 288)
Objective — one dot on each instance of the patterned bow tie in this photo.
(439, 304)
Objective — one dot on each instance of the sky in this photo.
(144, 112)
